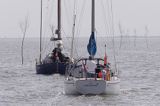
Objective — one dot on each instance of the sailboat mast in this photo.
(93, 16)
(59, 20)
(40, 32)
(91, 47)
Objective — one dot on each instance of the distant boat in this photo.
(91, 75)
(55, 62)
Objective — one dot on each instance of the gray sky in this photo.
(132, 14)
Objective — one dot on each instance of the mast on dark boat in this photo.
(59, 20)
(40, 33)
(58, 30)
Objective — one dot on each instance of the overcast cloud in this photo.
(132, 14)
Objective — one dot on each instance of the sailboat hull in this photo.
(92, 86)
(51, 68)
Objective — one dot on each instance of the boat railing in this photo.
(78, 70)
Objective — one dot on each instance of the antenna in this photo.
(105, 48)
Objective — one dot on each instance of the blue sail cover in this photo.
(91, 47)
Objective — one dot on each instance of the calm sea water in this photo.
(139, 69)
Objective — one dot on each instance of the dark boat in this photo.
(55, 62)
(51, 68)
(51, 65)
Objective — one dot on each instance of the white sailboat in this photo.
(91, 75)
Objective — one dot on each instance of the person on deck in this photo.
(57, 53)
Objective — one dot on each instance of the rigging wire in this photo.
(67, 14)
(75, 11)
(73, 30)
(113, 37)
(68, 18)
(106, 23)
(81, 15)
(105, 17)
(46, 22)
(48, 15)
(79, 23)
(110, 17)
(66, 45)
(52, 25)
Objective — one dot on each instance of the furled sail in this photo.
(91, 47)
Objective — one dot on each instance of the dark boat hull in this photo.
(51, 68)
